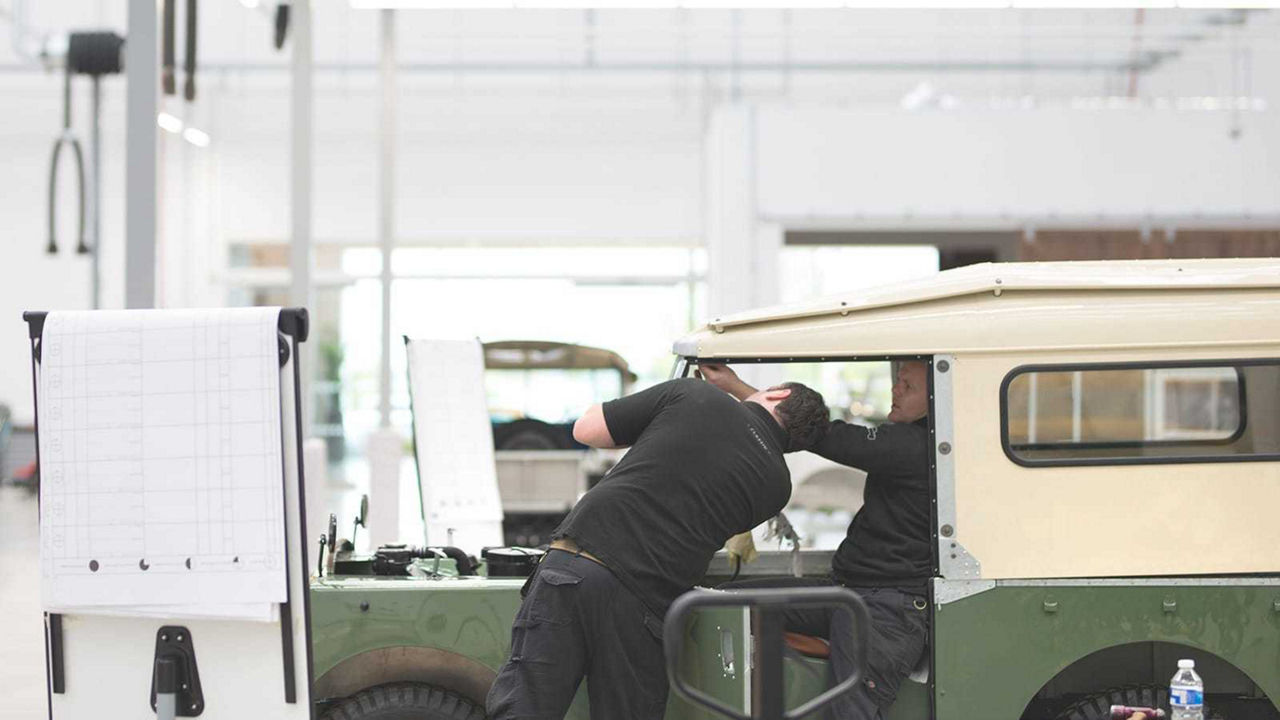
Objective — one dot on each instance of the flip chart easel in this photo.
(222, 661)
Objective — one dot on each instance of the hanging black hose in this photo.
(94, 54)
(167, 80)
(66, 138)
(282, 24)
(189, 87)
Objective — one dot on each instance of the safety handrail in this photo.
(775, 600)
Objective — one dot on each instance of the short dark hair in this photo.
(804, 415)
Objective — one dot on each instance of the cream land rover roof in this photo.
(985, 308)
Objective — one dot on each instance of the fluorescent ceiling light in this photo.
(796, 4)
(917, 96)
(196, 137)
(169, 122)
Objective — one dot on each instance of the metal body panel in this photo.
(456, 633)
(996, 645)
(1006, 306)
(1071, 522)
(954, 561)
(466, 616)
(1017, 322)
(995, 650)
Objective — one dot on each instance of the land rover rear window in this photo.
(1142, 413)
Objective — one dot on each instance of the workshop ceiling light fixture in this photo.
(196, 137)
(799, 4)
(169, 123)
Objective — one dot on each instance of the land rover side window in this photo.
(1097, 414)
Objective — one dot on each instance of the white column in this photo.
(143, 89)
(301, 292)
(743, 253)
(386, 449)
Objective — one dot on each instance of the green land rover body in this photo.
(1106, 454)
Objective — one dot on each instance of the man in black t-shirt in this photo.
(886, 557)
(701, 468)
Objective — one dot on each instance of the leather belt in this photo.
(565, 544)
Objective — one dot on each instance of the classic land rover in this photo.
(534, 390)
(1106, 453)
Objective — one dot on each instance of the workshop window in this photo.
(1142, 413)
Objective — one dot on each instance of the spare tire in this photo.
(1098, 706)
(405, 701)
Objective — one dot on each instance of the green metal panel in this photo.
(805, 679)
(996, 649)
(471, 617)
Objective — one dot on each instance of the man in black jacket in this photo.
(886, 557)
(702, 467)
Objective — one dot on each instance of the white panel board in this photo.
(453, 440)
(107, 652)
(161, 460)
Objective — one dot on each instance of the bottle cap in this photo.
(1186, 663)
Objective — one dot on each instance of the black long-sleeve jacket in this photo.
(888, 543)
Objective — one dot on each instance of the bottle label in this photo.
(1186, 696)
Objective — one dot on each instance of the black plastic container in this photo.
(511, 561)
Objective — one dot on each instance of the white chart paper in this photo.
(454, 442)
(161, 461)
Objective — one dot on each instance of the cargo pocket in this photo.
(559, 577)
(552, 599)
(519, 632)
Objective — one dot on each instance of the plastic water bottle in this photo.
(1186, 693)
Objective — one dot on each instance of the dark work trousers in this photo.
(897, 637)
(577, 620)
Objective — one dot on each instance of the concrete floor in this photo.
(22, 676)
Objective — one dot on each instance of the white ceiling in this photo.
(919, 58)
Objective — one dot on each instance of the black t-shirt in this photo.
(702, 468)
(889, 540)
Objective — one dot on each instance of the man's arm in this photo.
(619, 423)
(893, 447)
(592, 430)
(725, 379)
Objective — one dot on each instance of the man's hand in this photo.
(725, 379)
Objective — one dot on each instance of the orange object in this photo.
(808, 645)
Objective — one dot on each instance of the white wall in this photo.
(824, 163)
(515, 167)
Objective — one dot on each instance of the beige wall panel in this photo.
(1119, 521)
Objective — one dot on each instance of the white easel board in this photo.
(453, 443)
(181, 428)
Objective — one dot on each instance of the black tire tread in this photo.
(1098, 706)
(405, 701)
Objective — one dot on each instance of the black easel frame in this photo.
(293, 324)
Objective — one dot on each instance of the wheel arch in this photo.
(406, 663)
(1144, 662)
